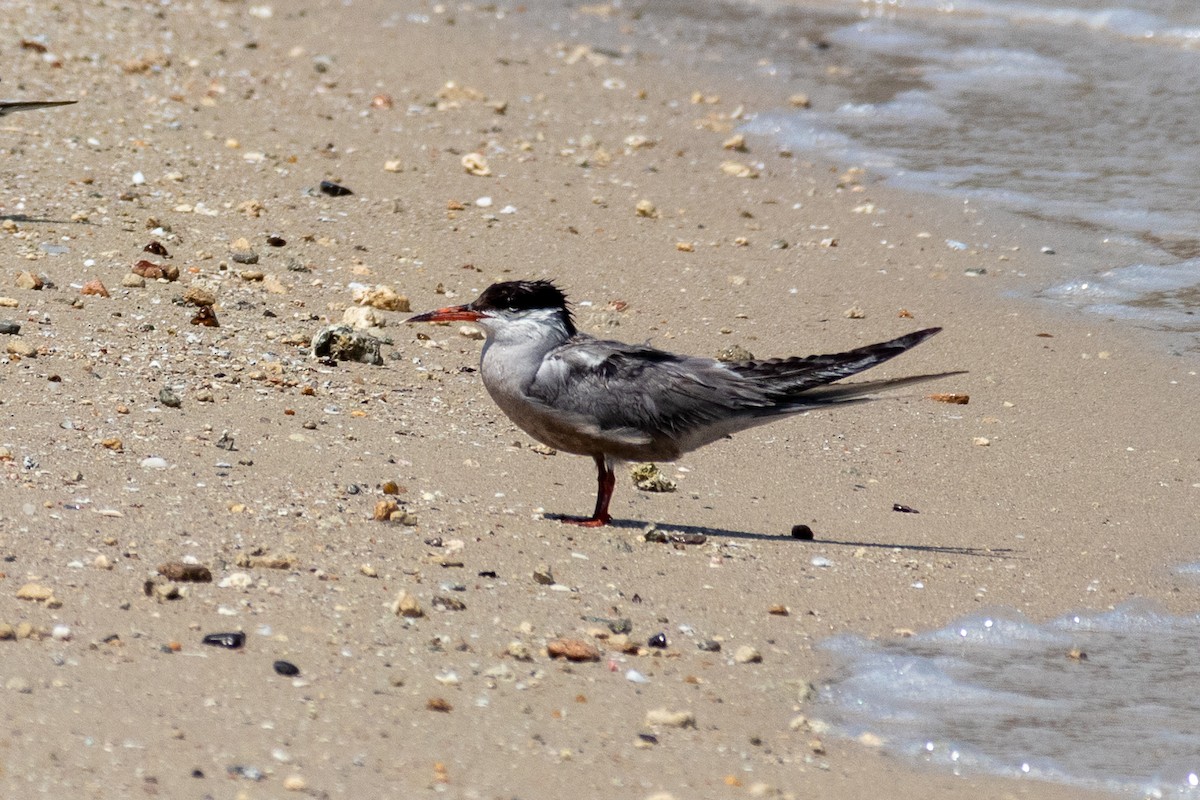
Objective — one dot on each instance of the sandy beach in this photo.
(481, 145)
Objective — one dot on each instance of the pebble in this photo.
(19, 684)
(27, 280)
(133, 281)
(168, 398)
(406, 605)
(670, 719)
(19, 347)
(344, 343)
(658, 640)
(286, 668)
(154, 462)
(236, 580)
(295, 783)
(241, 252)
(382, 297)
(747, 655)
(334, 190)
(802, 532)
(543, 575)
(231, 641)
(572, 650)
(178, 571)
(519, 650)
(9, 327)
(35, 592)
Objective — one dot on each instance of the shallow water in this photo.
(1099, 700)
(1083, 113)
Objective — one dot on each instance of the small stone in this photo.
(475, 164)
(35, 592)
(286, 669)
(189, 573)
(572, 650)
(153, 272)
(368, 570)
(295, 783)
(9, 327)
(241, 252)
(133, 281)
(439, 704)
(442, 603)
(19, 347)
(27, 280)
(168, 398)
(251, 275)
(94, 287)
(230, 641)
(382, 297)
(236, 580)
(954, 398)
(649, 478)
(747, 655)
(405, 605)
(736, 142)
(518, 650)
(154, 462)
(645, 208)
(799, 100)
(854, 312)
(734, 353)
(802, 531)
(670, 719)
(779, 610)
(166, 591)
(384, 509)
(19, 684)
(334, 190)
(198, 296)
(7, 632)
(543, 575)
(344, 343)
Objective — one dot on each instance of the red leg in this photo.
(606, 481)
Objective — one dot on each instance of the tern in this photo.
(620, 402)
(11, 107)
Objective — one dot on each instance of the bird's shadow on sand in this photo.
(725, 533)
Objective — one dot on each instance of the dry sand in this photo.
(1084, 496)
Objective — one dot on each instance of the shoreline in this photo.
(1081, 498)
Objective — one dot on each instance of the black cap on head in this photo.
(521, 296)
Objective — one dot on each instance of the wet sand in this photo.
(269, 470)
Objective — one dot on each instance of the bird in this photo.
(12, 106)
(619, 402)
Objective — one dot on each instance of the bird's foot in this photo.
(582, 522)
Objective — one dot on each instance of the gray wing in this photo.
(637, 393)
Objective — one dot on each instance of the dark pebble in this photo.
(334, 190)
(903, 509)
(648, 737)
(709, 646)
(802, 532)
(157, 249)
(287, 669)
(232, 641)
(10, 327)
(197, 773)
(193, 573)
(658, 640)
(169, 398)
(276, 241)
(489, 573)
